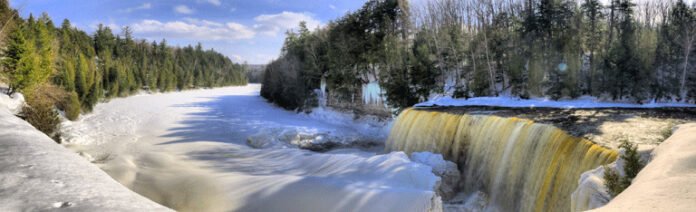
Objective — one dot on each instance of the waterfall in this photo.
(519, 164)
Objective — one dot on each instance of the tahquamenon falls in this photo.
(518, 164)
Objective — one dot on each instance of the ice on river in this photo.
(189, 151)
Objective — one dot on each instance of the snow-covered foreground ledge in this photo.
(584, 102)
(668, 182)
(36, 174)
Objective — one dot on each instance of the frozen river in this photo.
(188, 151)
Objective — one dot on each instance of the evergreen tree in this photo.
(24, 64)
(83, 67)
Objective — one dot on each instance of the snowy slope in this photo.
(668, 182)
(36, 174)
(583, 102)
(12, 103)
(184, 148)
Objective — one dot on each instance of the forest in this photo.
(66, 68)
(624, 50)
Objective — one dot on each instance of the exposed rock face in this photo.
(668, 182)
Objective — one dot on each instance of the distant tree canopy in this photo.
(88, 68)
(619, 51)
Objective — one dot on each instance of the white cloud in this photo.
(214, 2)
(333, 7)
(274, 24)
(183, 9)
(144, 6)
(193, 29)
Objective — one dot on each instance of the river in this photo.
(187, 150)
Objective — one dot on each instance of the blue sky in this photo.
(244, 30)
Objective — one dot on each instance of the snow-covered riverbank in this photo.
(586, 102)
(36, 174)
(189, 151)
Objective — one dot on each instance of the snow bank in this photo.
(442, 168)
(582, 102)
(668, 182)
(37, 174)
(13, 103)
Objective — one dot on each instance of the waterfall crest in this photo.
(521, 165)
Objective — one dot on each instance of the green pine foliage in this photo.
(616, 183)
(613, 182)
(347, 53)
(40, 109)
(616, 50)
(106, 65)
(42, 116)
(22, 63)
(72, 106)
(77, 70)
(631, 156)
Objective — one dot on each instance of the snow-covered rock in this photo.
(668, 182)
(36, 174)
(13, 103)
(369, 127)
(362, 132)
(310, 139)
(591, 192)
(446, 170)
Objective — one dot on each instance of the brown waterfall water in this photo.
(519, 164)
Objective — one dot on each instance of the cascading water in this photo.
(520, 165)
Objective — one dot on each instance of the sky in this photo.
(245, 30)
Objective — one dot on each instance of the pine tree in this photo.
(72, 106)
(23, 63)
(81, 85)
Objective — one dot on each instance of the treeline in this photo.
(621, 51)
(68, 68)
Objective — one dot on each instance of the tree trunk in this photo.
(682, 87)
(491, 73)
